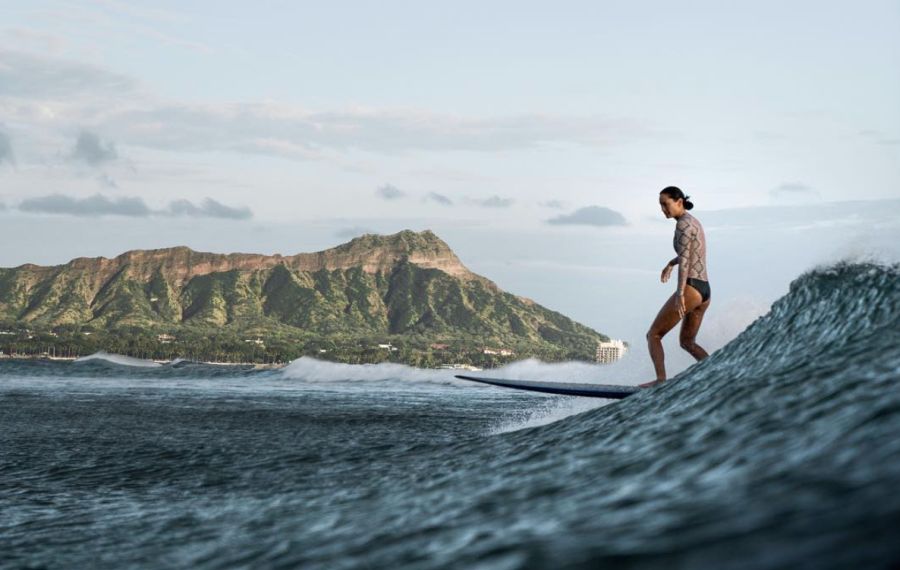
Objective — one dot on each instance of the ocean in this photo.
(780, 450)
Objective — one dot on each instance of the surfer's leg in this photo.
(691, 323)
(663, 323)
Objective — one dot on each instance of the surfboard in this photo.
(609, 391)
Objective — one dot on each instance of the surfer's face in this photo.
(670, 207)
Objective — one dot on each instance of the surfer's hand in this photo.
(666, 272)
(679, 302)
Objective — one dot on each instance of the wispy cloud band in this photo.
(62, 93)
(590, 216)
(130, 206)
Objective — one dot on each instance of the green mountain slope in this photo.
(402, 285)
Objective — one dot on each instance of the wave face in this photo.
(780, 450)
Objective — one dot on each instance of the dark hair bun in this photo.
(675, 193)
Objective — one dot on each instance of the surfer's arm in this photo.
(684, 241)
(674, 261)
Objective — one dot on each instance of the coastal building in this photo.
(500, 351)
(457, 366)
(610, 351)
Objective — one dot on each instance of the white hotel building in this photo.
(610, 351)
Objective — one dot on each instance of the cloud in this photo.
(555, 204)
(590, 216)
(879, 137)
(792, 188)
(494, 202)
(36, 77)
(168, 40)
(34, 39)
(90, 149)
(243, 126)
(352, 232)
(6, 150)
(51, 92)
(134, 13)
(100, 205)
(389, 192)
(439, 198)
(106, 180)
(868, 213)
(794, 191)
(208, 209)
(96, 205)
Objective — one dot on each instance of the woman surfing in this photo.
(692, 295)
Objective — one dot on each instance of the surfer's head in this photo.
(674, 202)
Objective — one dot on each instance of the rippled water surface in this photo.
(781, 450)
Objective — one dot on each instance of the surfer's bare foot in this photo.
(649, 384)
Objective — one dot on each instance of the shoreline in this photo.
(254, 365)
(261, 365)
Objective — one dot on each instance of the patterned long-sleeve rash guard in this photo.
(690, 245)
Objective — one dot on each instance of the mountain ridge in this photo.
(408, 283)
(423, 248)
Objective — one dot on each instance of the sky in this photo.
(532, 137)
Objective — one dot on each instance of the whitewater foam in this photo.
(536, 410)
(313, 370)
(548, 412)
(119, 359)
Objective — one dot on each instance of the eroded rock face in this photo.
(371, 253)
(375, 253)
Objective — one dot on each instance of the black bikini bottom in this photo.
(700, 285)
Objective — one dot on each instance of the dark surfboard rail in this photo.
(608, 391)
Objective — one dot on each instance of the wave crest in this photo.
(118, 359)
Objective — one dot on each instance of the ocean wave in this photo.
(118, 359)
(777, 451)
(311, 369)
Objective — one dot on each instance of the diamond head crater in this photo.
(403, 298)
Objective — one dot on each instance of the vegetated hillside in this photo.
(404, 284)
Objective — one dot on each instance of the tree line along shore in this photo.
(260, 347)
